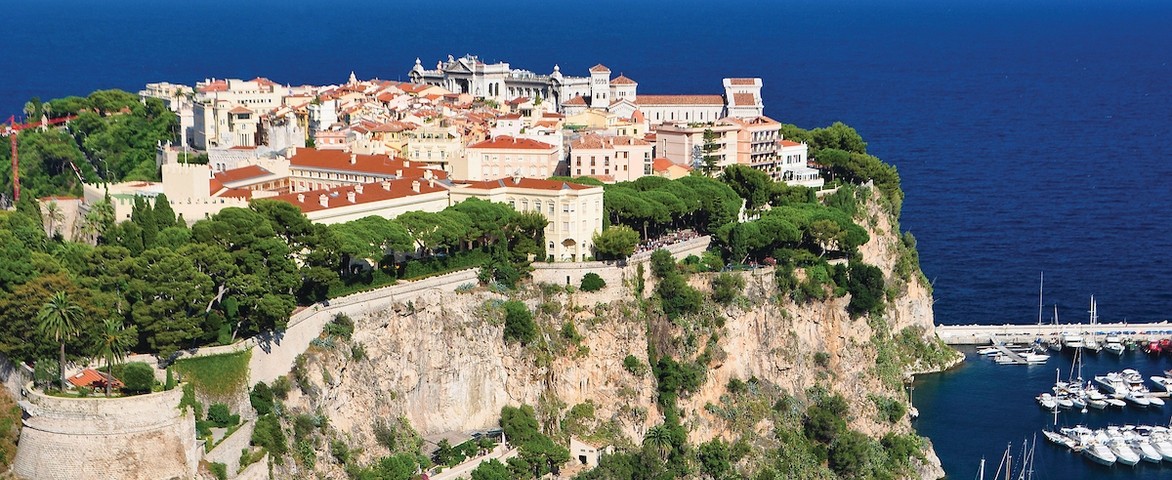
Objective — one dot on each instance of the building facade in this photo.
(505, 155)
(610, 159)
(574, 211)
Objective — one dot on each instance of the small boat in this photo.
(1115, 402)
(1138, 399)
(1092, 345)
(1113, 344)
(1059, 439)
(1035, 358)
(1063, 401)
(1153, 348)
(1146, 451)
(1162, 383)
(1123, 452)
(1164, 447)
(1100, 454)
(1072, 340)
(1047, 401)
(1154, 400)
(988, 351)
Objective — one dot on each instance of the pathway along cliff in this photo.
(762, 386)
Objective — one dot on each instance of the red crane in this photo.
(12, 129)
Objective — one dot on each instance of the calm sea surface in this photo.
(1031, 135)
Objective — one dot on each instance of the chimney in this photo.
(415, 186)
(431, 183)
(300, 198)
(358, 189)
(353, 158)
(350, 196)
(323, 200)
(406, 163)
(386, 185)
(516, 178)
(399, 173)
(427, 173)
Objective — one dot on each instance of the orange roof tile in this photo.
(662, 164)
(679, 100)
(595, 141)
(742, 81)
(240, 111)
(788, 143)
(576, 101)
(242, 173)
(338, 160)
(623, 80)
(530, 183)
(92, 378)
(744, 99)
(370, 192)
(505, 141)
(599, 68)
(518, 101)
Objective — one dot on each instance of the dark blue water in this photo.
(1031, 135)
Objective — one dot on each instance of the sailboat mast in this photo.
(981, 470)
(1041, 281)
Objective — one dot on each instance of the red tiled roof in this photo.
(744, 99)
(623, 80)
(339, 160)
(679, 100)
(241, 193)
(514, 116)
(242, 173)
(371, 192)
(742, 81)
(599, 68)
(530, 183)
(576, 101)
(92, 378)
(505, 141)
(788, 143)
(216, 86)
(239, 111)
(518, 101)
(662, 164)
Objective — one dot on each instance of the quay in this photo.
(1009, 333)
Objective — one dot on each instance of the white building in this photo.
(574, 211)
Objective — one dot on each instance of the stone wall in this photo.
(15, 376)
(228, 451)
(142, 437)
(568, 273)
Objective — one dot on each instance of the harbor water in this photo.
(1030, 135)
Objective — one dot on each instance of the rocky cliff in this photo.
(440, 361)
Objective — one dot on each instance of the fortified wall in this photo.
(142, 437)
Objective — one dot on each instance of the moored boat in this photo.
(1123, 452)
(1047, 401)
(1162, 383)
(1100, 454)
(1146, 451)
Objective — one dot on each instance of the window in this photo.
(565, 226)
(537, 205)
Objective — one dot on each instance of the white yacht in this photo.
(1146, 451)
(1072, 340)
(1123, 452)
(1047, 401)
(1162, 383)
(1099, 453)
(1164, 447)
(1113, 344)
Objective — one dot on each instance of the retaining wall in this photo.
(142, 437)
(228, 451)
(571, 273)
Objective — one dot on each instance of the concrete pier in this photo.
(985, 334)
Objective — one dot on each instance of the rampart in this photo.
(571, 273)
(140, 437)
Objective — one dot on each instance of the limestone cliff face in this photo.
(442, 363)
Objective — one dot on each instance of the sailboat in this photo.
(1090, 343)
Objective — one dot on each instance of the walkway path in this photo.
(464, 470)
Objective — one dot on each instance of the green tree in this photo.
(708, 149)
(751, 184)
(659, 438)
(58, 318)
(519, 324)
(113, 343)
(591, 282)
(491, 470)
(714, 458)
(137, 378)
(726, 287)
(616, 242)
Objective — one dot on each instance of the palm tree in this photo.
(58, 318)
(113, 342)
(660, 438)
(54, 214)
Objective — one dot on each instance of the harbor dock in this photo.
(1008, 333)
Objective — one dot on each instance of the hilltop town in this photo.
(484, 271)
(465, 129)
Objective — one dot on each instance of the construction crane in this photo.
(12, 129)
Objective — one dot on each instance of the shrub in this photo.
(735, 386)
(342, 326)
(170, 383)
(219, 415)
(822, 359)
(866, 288)
(591, 282)
(519, 324)
(261, 398)
(268, 435)
(281, 387)
(726, 287)
(358, 352)
(188, 400)
(890, 409)
(218, 469)
(570, 333)
(137, 377)
(633, 365)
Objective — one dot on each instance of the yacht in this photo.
(1072, 340)
(1113, 344)
(1064, 401)
(1162, 383)
(1047, 401)
(1146, 451)
(1112, 383)
(1100, 454)
(1164, 447)
(1123, 452)
(1138, 399)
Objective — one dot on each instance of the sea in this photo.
(1031, 135)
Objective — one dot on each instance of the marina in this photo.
(1010, 333)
